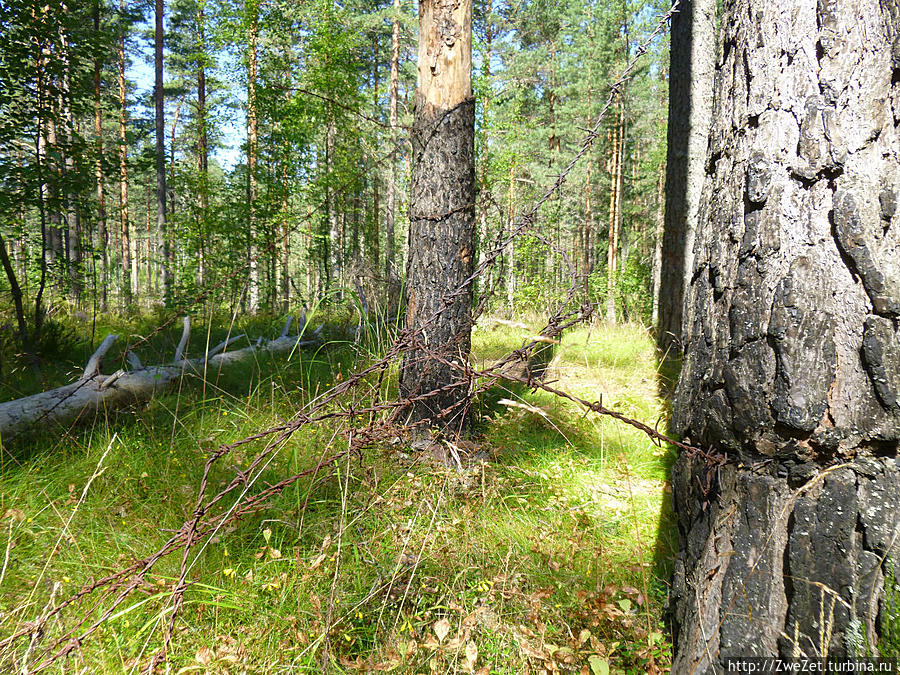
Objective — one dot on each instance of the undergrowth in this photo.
(550, 556)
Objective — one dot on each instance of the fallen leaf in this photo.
(441, 628)
(317, 561)
(15, 514)
(205, 656)
(599, 665)
(471, 655)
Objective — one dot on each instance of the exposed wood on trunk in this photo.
(442, 214)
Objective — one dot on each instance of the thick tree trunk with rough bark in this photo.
(792, 346)
(442, 216)
(693, 39)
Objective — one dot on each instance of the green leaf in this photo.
(599, 665)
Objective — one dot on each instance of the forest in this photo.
(449, 336)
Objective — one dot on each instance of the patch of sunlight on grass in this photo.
(554, 552)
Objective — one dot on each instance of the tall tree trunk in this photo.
(693, 39)
(390, 219)
(16, 293)
(102, 235)
(202, 144)
(335, 254)
(125, 257)
(510, 263)
(55, 242)
(252, 140)
(483, 188)
(159, 98)
(657, 244)
(587, 226)
(149, 252)
(442, 216)
(612, 250)
(285, 236)
(72, 226)
(792, 364)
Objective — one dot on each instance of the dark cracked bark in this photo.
(792, 343)
(442, 218)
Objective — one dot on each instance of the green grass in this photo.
(553, 555)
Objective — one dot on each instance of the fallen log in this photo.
(94, 392)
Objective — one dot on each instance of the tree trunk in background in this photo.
(16, 293)
(335, 255)
(102, 235)
(615, 213)
(792, 361)
(483, 187)
(125, 256)
(442, 216)
(252, 141)
(55, 248)
(149, 251)
(159, 97)
(285, 238)
(202, 142)
(390, 216)
(693, 53)
(511, 249)
(656, 272)
(72, 225)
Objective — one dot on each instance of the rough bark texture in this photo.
(442, 214)
(792, 344)
(693, 39)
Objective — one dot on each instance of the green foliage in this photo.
(889, 645)
(545, 555)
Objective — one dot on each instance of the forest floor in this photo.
(552, 556)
